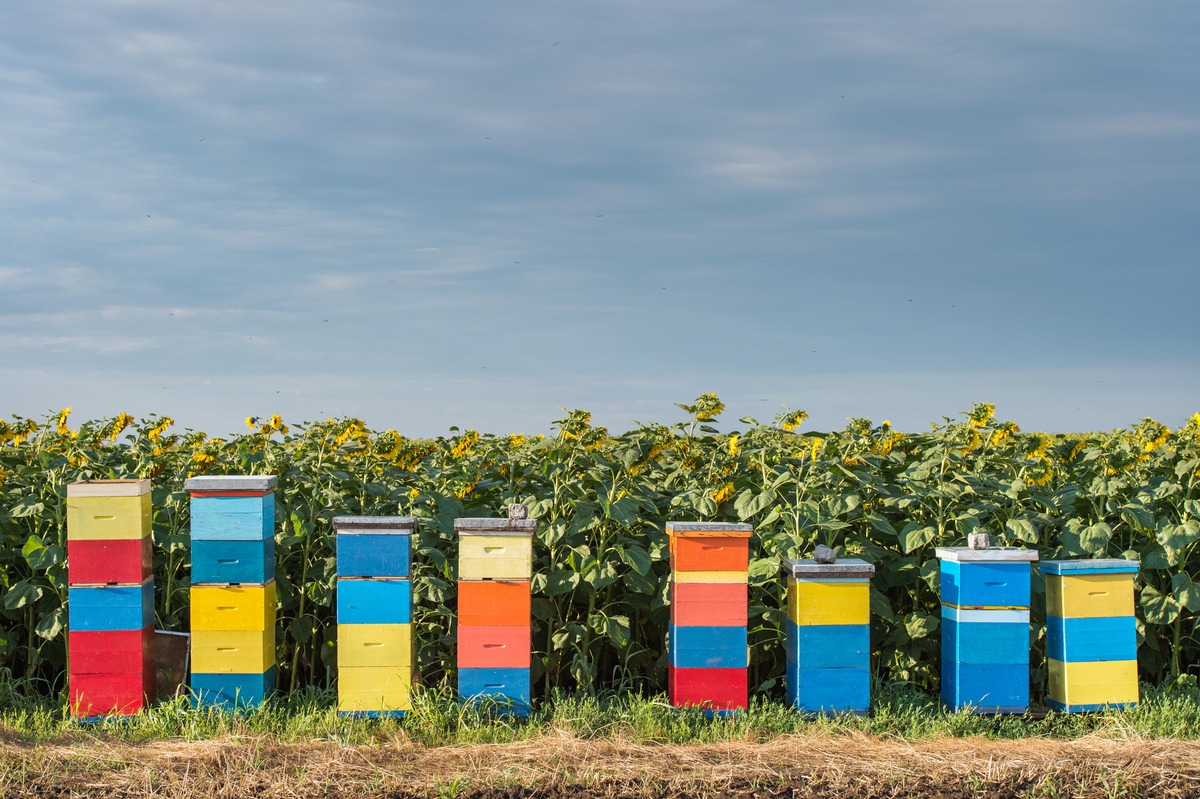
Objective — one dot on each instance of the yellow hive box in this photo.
(364, 689)
(1078, 596)
(107, 516)
(710, 577)
(232, 651)
(816, 602)
(374, 645)
(233, 607)
(495, 557)
(1108, 682)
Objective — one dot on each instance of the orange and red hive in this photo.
(708, 646)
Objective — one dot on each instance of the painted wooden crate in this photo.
(828, 635)
(107, 510)
(223, 562)
(110, 671)
(110, 607)
(232, 507)
(1091, 634)
(374, 546)
(985, 628)
(495, 549)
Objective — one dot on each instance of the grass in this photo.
(899, 712)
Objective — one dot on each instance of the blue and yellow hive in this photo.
(233, 601)
(1091, 634)
(828, 635)
(374, 615)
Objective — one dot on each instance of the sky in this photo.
(478, 214)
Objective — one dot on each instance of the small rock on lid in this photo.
(979, 541)
(517, 512)
(824, 554)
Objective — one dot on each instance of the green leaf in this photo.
(882, 525)
(32, 544)
(881, 607)
(1023, 529)
(1138, 518)
(763, 567)
(1186, 591)
(26, 506)
(561, 581)
(617, 628)
(919, 625)
(636, 558)
(21, 594)
(46, 558)
(623, 512)
(915, 537)
(639, 583)
(1158, 608)
(749, 504)
(50, 625)
(1095, 538)
(1175, 537)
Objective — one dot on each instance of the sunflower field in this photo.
(600, 584)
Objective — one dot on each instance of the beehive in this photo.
(828, 635)
(233, 599)
(708, 652)
(495, 569)
(985, 628)
(110, 597)
(1091, 634)
(376, 657)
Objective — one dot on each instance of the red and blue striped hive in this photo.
(708, 644)
(374, 615)
(110, 598)
(233, 600)
(495, 569)
(1091, 634)
(985, 628)
(828, 635)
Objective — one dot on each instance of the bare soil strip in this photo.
(561, 765)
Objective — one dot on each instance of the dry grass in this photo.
(561, 765)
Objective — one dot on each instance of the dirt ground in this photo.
(849, 767)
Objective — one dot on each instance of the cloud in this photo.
(1123, 127)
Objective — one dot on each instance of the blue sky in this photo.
(475, 214)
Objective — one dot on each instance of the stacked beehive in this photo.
(110, 597)
(828, 638)
(1091, 637)
(374, 614)
(495, 567)
(985, 628)
(233, 589)
(708, 639)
